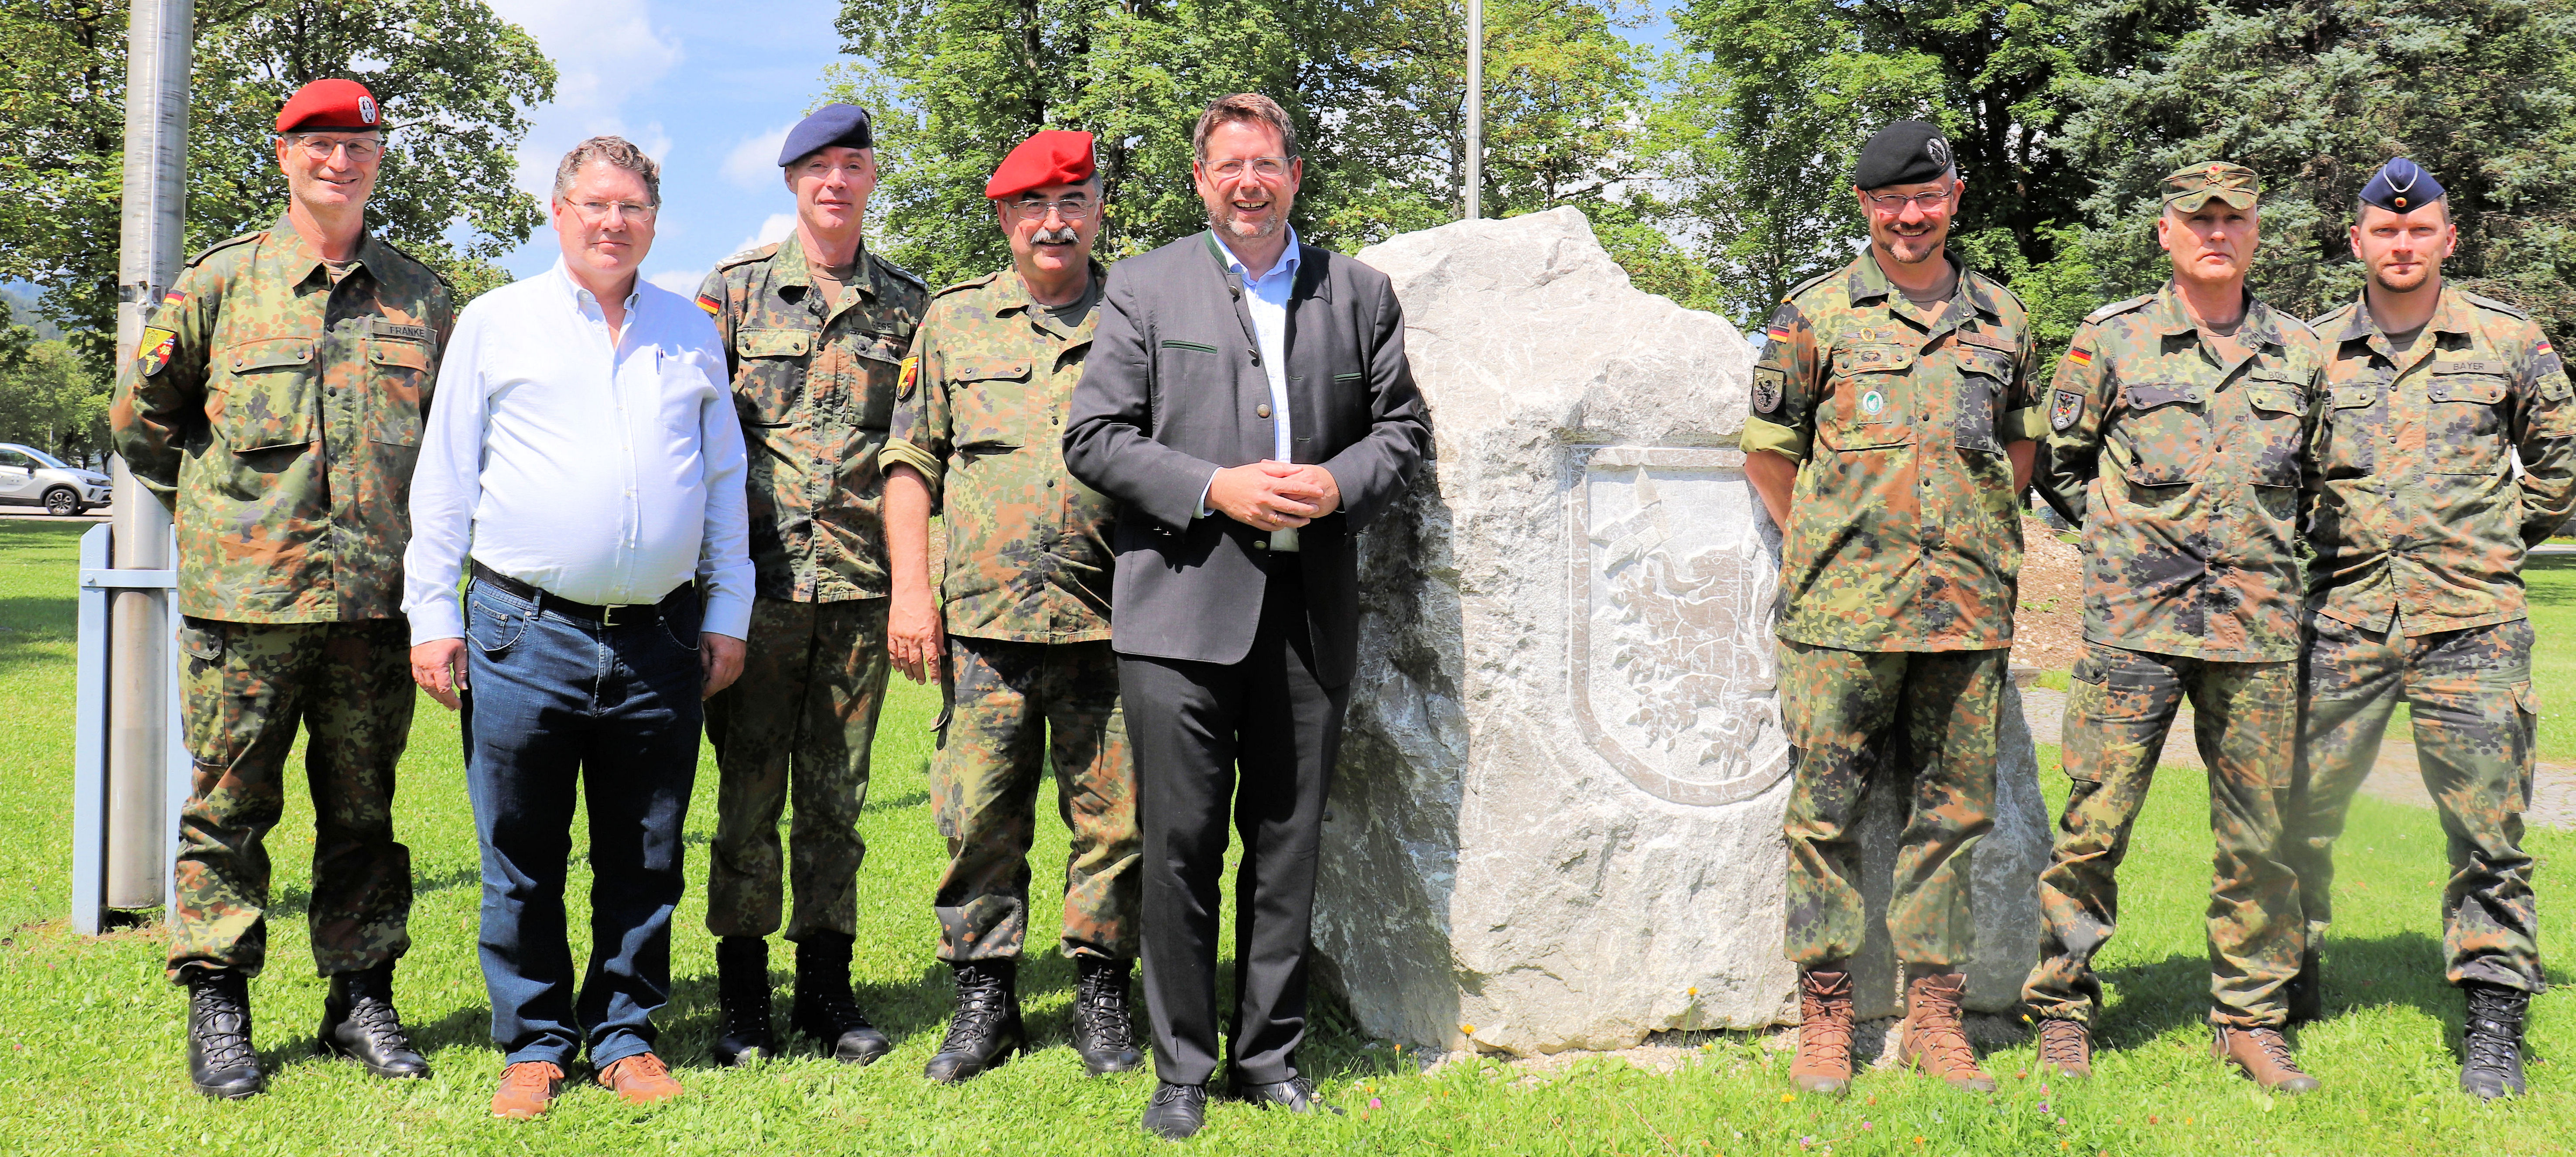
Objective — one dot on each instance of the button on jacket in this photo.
(279, 416)
(2421, 514)
(980, 413)
(814, 382)
(2182, 463)
(1905, 533)
(607, 475)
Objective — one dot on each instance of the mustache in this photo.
(1064, 236)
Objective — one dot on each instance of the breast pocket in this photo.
(2464, 423)
(876, 369)
(2279, 409)
(393, 404)
(772, 378)
(2355, 422)
(989, 406)
(1982, 377)
(2164, 427)
(1866, 404)
(262, 394)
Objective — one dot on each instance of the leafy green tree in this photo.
(53, 399)
(2315, 95)
(454, 81)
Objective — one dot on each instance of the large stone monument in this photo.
(1556, 823)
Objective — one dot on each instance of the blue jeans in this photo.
(551, 697)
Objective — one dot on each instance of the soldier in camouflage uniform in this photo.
(1891, 434)
(275, 406)
(2177, 422)
(814, 348)
(2416, 596)
(1030, 677)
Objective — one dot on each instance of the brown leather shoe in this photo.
(641, 1079)
(2264, 1056)
(1935, 1041)
(526, 1089)
(1823, 1063)
(2066, 1046)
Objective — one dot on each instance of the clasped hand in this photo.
(1273, 495)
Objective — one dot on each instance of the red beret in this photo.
(1048, 157)
(345, 105)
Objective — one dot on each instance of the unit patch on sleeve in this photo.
(1767, 385)
(2064, 410)
(911, 376)
(154, 349)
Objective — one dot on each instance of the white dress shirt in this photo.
(606, 474)
(1266, 299)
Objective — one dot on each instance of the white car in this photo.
(33, 477)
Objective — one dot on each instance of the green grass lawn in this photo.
(91, 1043)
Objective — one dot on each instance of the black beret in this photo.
(832, 124)
(1904, 153)
(2401, 186)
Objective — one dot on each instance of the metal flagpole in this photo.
(139, 821)
(1475, 108)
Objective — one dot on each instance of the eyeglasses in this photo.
(1070, 210)
(1266, 168)
(361, 149)
(1896, 202)
(600, 210)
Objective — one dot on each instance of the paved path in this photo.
(2395, 778)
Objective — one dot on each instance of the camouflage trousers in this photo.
(1014, 708)
(2244, 716)
(1856, 719)
(798, 722)
(246, 687)
(2475, 715)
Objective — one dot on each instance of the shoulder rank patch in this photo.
(154, 349)
(911, 377)
(2064, 410)
(708, 303)
(2119, 307)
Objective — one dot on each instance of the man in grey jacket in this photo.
(1247, 402)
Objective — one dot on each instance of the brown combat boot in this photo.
(2066, 1046)
(1934, 1040)
(526, 1089)
(2264, 1056)
(641, 1079)
(1823, 1063)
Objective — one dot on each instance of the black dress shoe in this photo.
(742, 1001)
(359, 1022)
(221, 1062)
(824, 1010)
(1177, 1112)
(987, 1028)
(1104, 1031)
(1296, 1094)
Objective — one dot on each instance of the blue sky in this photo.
(709, 90)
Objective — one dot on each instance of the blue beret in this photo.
(2401, 186)
(832, 124)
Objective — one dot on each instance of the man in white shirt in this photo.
(585, 445)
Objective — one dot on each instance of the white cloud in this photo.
(605, 51)
(753, 163)
(775, 227)
(684, 282)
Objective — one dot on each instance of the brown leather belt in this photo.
(620, 615)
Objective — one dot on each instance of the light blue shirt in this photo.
(1266, 299)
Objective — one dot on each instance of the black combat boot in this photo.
(987, 1029)
(2306, 993)
(359, 1022)
(742, 1001)
(1104, 1031)
(220, 1060)
(2492, 1041)
(824, 1010)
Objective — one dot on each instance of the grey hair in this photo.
(616, 152)
(1250, 107)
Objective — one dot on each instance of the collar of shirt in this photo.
(2451, 314)
(586, 303)
(1022, 302)
(793, 267)
(1281, 274)
(2259, 329)
(295, 259)
(1266, 299)
(1868, 282)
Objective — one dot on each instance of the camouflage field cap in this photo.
(2191, 186)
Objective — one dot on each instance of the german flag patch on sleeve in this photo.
(710, 304)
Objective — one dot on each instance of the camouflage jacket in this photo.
(1905, 532)
(2182, 466)
(2420, 513)
(814, 383)
(982, 416)
(279, 417)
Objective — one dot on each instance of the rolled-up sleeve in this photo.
(446, 484)
(1782, 420)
